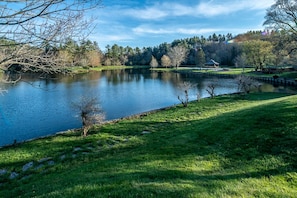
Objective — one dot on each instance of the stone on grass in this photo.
(3, 172)
(145, 132)
(51, 163)
(62, 157)
(44, 159)
(90, 148)
(13, 175)
(27, 166)
(77, 149)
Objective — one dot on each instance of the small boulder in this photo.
(62, 157)
(13, 175)
(27, 166)
(51, 162)
(44, 159)
(145, 132)
(3, 172)
(77, 149)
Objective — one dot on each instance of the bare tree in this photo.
(177, 55)
(165, 61)
(185, 87)
(282, 16)
(90, 112)
(154, 62)
(211, 88)
(240, 61)
(246, 83)
(30, 28)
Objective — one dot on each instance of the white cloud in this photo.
(146, 29)
(197, 31)
(142, 29)
(204, 8)
(146, 13)
(158, 21)
(104, 40)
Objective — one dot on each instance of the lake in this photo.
(39, 107)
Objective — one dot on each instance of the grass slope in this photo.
(230, 146)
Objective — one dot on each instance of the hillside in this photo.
(229, 146)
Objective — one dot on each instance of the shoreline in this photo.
(133, 116)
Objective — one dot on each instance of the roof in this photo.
(212, 62)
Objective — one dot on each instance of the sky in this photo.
(148, 23)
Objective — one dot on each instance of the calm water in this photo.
(35, 108)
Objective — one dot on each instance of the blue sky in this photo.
(148, 23)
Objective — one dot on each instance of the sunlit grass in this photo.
(229, 146)
(85, 69)
(229, 71)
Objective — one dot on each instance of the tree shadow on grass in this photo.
(175, 158)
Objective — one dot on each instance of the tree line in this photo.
(55, 43)
(258, 49)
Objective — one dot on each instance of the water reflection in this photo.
(37, 107)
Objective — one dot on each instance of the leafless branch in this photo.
(185, 88)
(177, 55)
(30, 28)
(246, 84)
(90, 112)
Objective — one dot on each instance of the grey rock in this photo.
(145, 132)
(13, 175)
(51, 163)
(77, 149)
(90, 148)
(27, 166)
(44, 159)
(3, 172)
(62, 157)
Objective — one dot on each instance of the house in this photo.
(212, 63)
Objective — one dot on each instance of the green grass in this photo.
(229, 146)
(80, 69)
(235, 71)
(288, 75)
(227, 70)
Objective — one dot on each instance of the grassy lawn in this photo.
(101, 68)
(288, 75)
(229, 71)
(249, 72)
(220, 70)
(229, 146)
